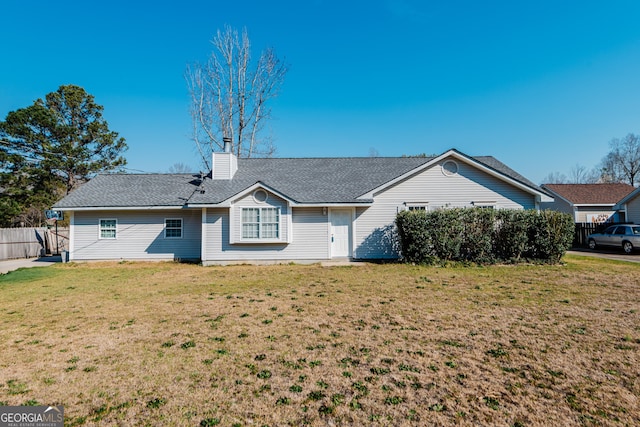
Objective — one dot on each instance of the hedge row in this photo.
(484, 235)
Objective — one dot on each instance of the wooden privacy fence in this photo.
(583, 229)
(31, 242)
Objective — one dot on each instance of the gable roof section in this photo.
(632, 195)
(488, 164)
(590, 194)
(131, 191)
(309, 180)
(301, 181)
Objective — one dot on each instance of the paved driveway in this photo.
(616, 254)
(14, 264)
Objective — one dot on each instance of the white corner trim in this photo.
(72, 230)
(203, 235)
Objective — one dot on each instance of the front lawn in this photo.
(175, 344)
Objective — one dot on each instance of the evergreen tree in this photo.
(51, 147)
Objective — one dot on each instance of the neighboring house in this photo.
(629, 206)
(588, 202)
(304, 209)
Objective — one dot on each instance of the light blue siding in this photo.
(559, 205)
(309, 239)
(140, 235)
(633, 210)
(304, 231)
(375, 225)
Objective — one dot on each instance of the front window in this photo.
(417, 206)
(484, 204)
(108, 228)
(260, 223)
(173, 228)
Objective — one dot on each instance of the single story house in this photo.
(629, 207)
(588, 202)
(280, 209)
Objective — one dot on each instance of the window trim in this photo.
(417, 206)
(174, 228)
(260, 238)
(490, 204)
(446, 171)
(101, 229)
(257, 199)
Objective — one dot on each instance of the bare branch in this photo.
(230, 96)
(622, 164)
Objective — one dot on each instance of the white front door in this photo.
(340, 232)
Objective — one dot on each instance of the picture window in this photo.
(260, 223)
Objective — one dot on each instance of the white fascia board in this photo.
(569, 202)
(121, 208)
(332, 205)
(369, 195)
(542, 197)
(260, 185)
(626, 198)
(596, 205)
(228, 202)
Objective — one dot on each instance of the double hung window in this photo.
(260, 223)
(108, 228)
(173, 228)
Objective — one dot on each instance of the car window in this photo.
(635, 230)
(610, 230)
(621, 230)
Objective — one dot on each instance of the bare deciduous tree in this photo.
(554, 178)
(579, 174)
(622, 164)
(230, 96)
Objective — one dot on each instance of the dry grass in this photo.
(171, 344)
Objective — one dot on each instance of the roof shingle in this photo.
(302, 180)
(591, 194)
(128, 190)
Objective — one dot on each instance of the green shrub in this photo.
(551, 236)
(477, 237)
(483, 235)
(510, 234)
(415, 239)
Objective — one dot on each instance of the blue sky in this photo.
(541, 85)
